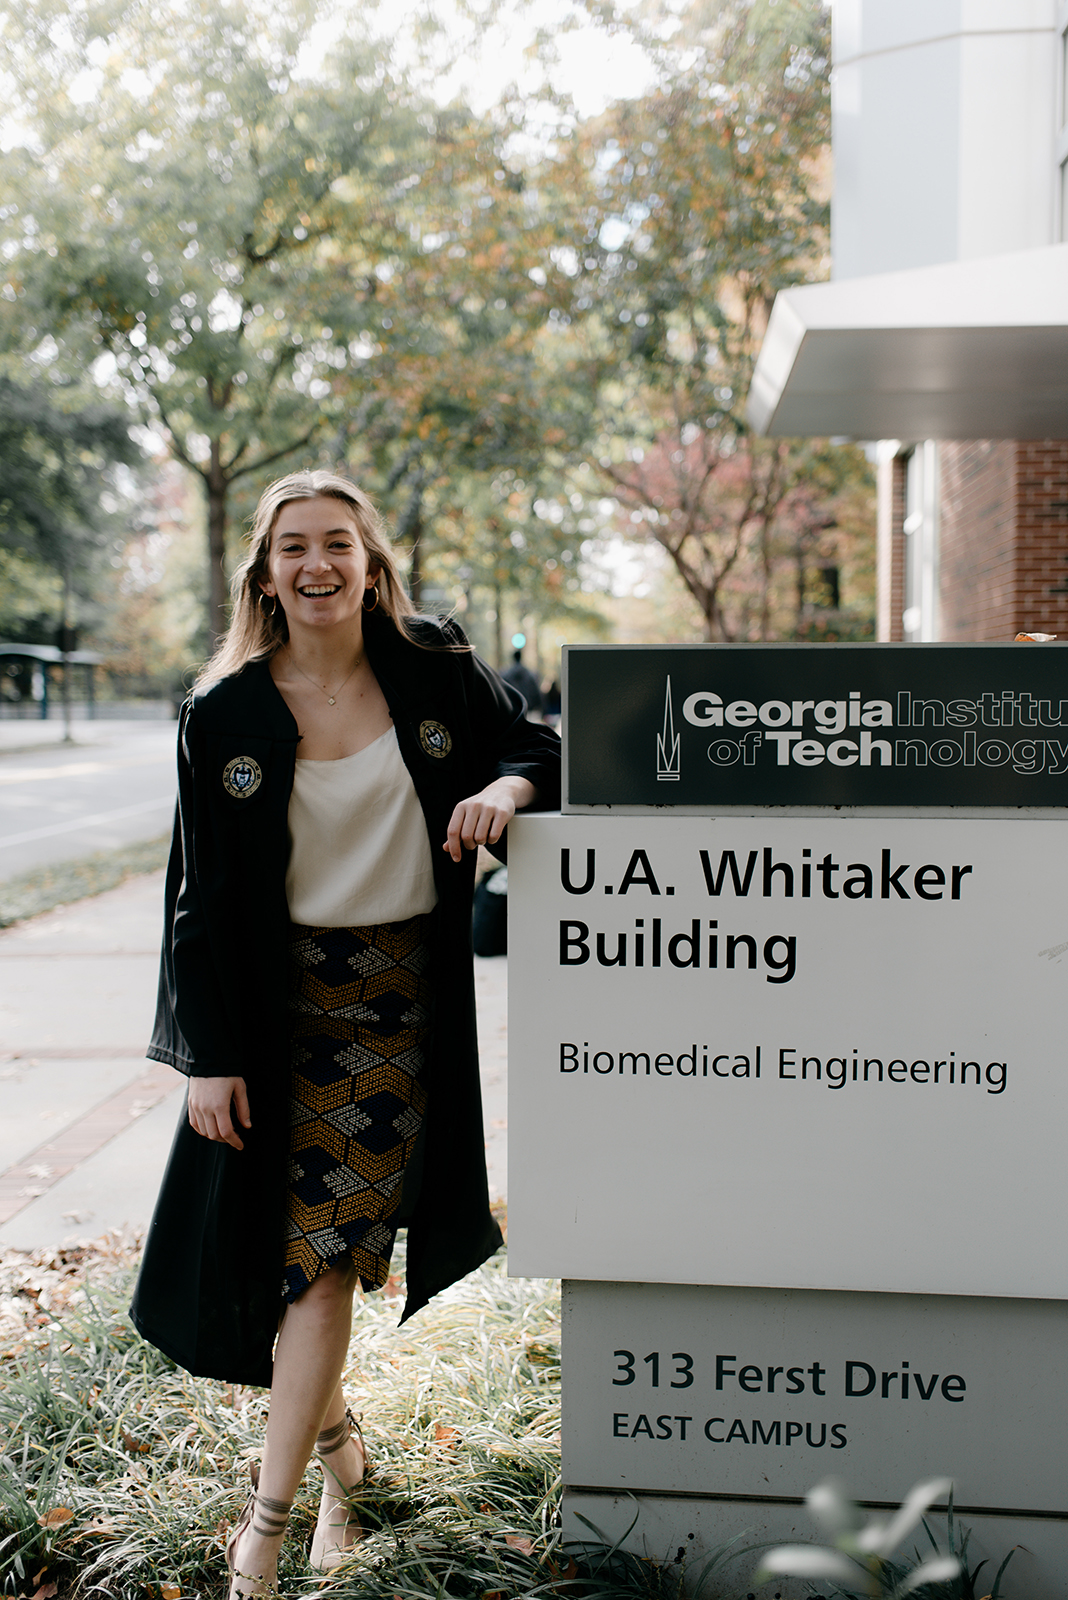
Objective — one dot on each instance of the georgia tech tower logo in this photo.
(667, 745)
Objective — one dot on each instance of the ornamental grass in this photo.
(121, 1475)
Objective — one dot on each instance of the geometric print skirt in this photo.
(359, 1001)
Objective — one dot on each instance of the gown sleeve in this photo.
(192, 1032)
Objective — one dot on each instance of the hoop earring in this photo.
(374, 591)
(269, 616)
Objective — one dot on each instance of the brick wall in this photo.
(1042, 535)
(977, 543)
(1003, 539)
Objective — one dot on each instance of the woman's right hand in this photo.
(211, 1104)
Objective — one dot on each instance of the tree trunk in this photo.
(765, 580)
(800, 553)
(217, 488)
(415, 570)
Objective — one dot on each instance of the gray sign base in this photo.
(660, 1527)
(710, 1411)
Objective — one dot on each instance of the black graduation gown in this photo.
(209, 1289)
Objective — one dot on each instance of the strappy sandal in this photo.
(320, 1557)
(266, 1517)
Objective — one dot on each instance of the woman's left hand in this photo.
(483, 818)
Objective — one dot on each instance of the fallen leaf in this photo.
(542, 1355)
(96, 1528)
(170, 1591)
(45, 1592)
(448, 1438)
(57, 1517)
(135, 1446)
(518, 1542)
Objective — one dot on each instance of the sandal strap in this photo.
(274, 1515)
(333, 1439)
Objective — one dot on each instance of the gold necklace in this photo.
(331, 698)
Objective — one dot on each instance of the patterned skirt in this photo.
(359, 1004)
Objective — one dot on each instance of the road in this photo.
(114, 786)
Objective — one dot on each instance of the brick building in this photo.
(1002, 539)
(944, 332)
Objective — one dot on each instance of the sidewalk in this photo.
(85, 1121)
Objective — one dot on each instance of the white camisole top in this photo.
(360, 853)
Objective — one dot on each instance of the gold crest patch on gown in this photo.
(435, 738)
(242, 777)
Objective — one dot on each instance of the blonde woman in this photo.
(340, 760)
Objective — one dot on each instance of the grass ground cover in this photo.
(47, 887)
(121, 1474)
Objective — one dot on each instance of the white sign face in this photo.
(683, 1389)
(807, 1053)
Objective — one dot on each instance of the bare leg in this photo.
(308, 1362)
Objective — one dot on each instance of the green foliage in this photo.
(223, 262)
(54, 460)
(703, 199)
(58, 450)
(31, 595)
(858, 1557)
(274, 265)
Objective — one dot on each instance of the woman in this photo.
(339, 762)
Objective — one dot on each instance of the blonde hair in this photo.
(255, 633)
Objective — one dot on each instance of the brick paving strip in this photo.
(35, 1174)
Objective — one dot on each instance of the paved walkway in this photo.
(85, 1121)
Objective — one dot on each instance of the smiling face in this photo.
(317, 564)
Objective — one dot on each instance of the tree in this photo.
(57, 452)
(706, 198)
(483, 389)
(221, 265)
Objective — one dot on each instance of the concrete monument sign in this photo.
(787, 1088)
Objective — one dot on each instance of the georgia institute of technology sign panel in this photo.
(821, 1053)
(799, 725)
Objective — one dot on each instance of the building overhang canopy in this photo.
(48, 652)
(963, 350)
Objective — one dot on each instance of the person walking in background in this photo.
(520, 677)
(340, 760)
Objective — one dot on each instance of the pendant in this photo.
(331, 700)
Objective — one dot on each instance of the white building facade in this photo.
(945, 327)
